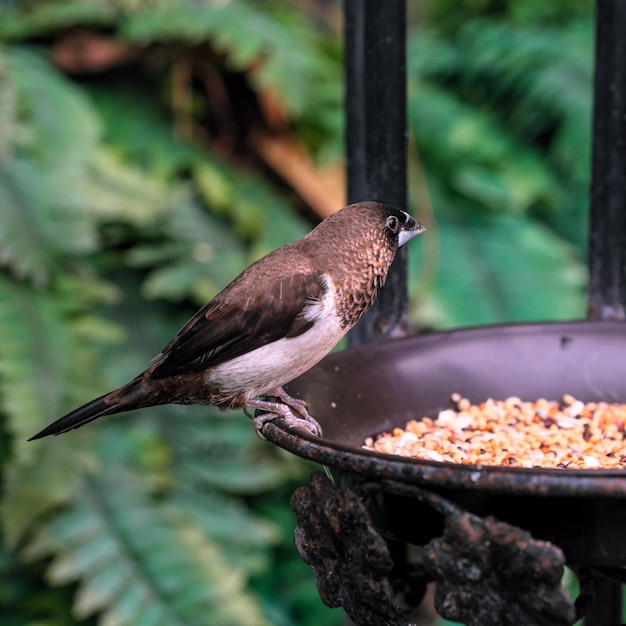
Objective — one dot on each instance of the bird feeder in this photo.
(494, 539)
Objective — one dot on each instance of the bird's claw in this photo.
(300, 406)
(310, 426)
(274, 410)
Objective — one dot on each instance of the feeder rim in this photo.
(536, 481)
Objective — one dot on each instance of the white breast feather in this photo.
(277, 363)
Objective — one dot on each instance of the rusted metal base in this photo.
(488, 572)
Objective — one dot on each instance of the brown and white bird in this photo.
(276, 320)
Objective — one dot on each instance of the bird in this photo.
(277, 319)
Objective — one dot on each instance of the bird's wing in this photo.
(252, 311)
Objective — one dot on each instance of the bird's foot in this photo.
(300, 406)
(304, 421)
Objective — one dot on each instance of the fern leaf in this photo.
(33, 361)
(503, 268)
(230, 443)
(115, 190)
(45, 365)
(198, 258)
(508, 79)
(20, 20)
(286, 50)
(41, 171)
(34, 488)
(140, 564)
(63, 129)
(477, 153)
(39, 366)
(243, 535)
(43, 357)
(257, 210)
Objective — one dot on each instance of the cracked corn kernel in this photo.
(515, 433)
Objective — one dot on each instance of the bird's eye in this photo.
(393, 223)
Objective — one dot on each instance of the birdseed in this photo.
(514, 433)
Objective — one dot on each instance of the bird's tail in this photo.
(82, 415)
(133, 395)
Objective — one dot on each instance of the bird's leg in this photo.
(278, 409)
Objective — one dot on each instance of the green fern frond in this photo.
(229, 441)
(534, 67)
(258, 212)
(46, 355)
(476, 152)
(192, 251)
(57, 126)
(35, 360)
(119, 191)
(521, 73)
(33, 488)
(42, 220)
(46, 364)
(139, 563)
(197, 256)
(21, 20)
(51, 134)
(277, 45)
(241, 534)
(502, 268)
(527, 87)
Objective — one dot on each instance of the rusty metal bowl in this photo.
(363, 391)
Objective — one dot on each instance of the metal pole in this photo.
(376, 138)
(376, 141)
(607, 228)
(607, 604)
(607, 225)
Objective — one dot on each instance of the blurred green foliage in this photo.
(500, 110)
(130, 193)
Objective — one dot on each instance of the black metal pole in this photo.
(606, 609)
(376, 138)
(607, 215)
(607, 228)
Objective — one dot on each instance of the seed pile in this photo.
(545, 433)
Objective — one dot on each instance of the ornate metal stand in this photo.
(488, 572)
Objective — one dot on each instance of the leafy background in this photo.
(149, 151)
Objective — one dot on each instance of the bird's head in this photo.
(354, 248)
(371, 224)
(399, 227)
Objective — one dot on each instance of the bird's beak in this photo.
(411, 228)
